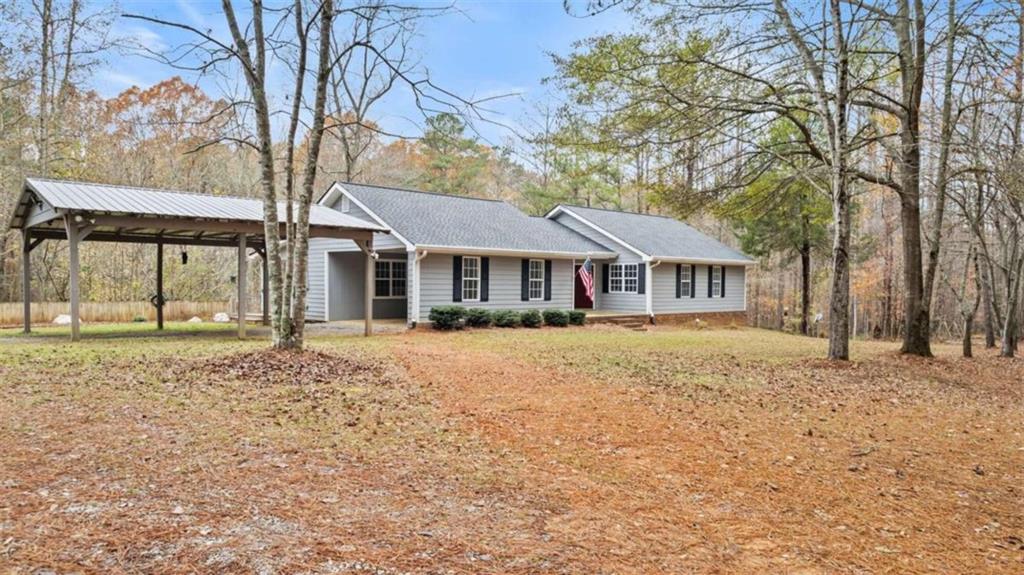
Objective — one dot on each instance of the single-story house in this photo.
(452, 250)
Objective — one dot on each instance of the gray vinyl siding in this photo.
(622, 302)
(380, 241)
(664, 293)
(315, 297)
(626, 255)
(504, 286)
(347, 285)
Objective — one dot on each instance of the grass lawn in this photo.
(583, 450)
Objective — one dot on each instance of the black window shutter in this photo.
(723, 281)
(693, 280)
(641, 278)
(547, 280)
(711, 274)
(485, 278)
(457, 278)
(525, 285)
(679, 281)
(604, 278)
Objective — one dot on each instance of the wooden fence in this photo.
(44, 312)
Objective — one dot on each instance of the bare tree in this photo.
(294, 35)
(364, 76)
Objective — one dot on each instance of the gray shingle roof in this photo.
(429, 219)
(113, 199)
(659, 236)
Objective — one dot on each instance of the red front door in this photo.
(581, 301)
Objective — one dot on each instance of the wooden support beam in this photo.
(177, 225)
(371, 270)
(159, 285)
(73, 270)
(26, 277)
(266, 287)
(242, 291)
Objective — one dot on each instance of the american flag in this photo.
(587, 276)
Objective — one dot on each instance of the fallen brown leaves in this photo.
(282, 367)
(572, 451)
(675, 461)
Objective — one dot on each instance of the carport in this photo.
(77, 212)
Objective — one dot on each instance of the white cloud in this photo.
(144, 38)
(196, 18)
(112, 82)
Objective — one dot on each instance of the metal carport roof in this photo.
(79, 211)
(145, 215)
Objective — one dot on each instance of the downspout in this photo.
(649, 288)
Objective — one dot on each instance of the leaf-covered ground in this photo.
(594, 450)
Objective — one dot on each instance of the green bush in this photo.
(577, 317)
(139, 319)
(447, 316)
(556, 317)
(478, 317)
(530, 318)
(506, 318)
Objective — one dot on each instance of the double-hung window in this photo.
(623, 278)
(685, 281)
(716, 281)
(536, 279)
(390, 279)
(470, 278)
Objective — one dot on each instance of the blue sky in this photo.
(486, 47)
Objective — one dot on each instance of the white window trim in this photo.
(622, 289)
(346, 204)
(478, 279)
(391, 279)
(716, 285)
(530, 280)
(686, 280)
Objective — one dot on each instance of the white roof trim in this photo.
(562, 209)
(468, 250)
(337, 189)
(719, 261)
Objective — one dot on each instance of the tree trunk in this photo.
(968, 329)
(44, 89)
(298, 299)
(780, 300)
(1010, 325)
(990, 321)
(916, 333)
(805, 285)
(255, 75)
(839, 306)
(945, 139)
(288, 326)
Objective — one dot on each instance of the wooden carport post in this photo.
(242, 291)
(26, 277)
(71, 228)
(266, 287)
(368, 288)
(159, 285)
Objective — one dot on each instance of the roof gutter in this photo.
(720, 261)
(515, 253)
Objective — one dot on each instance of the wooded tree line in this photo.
(902, 116)
(868, 153)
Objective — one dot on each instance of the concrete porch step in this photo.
(633, 322)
